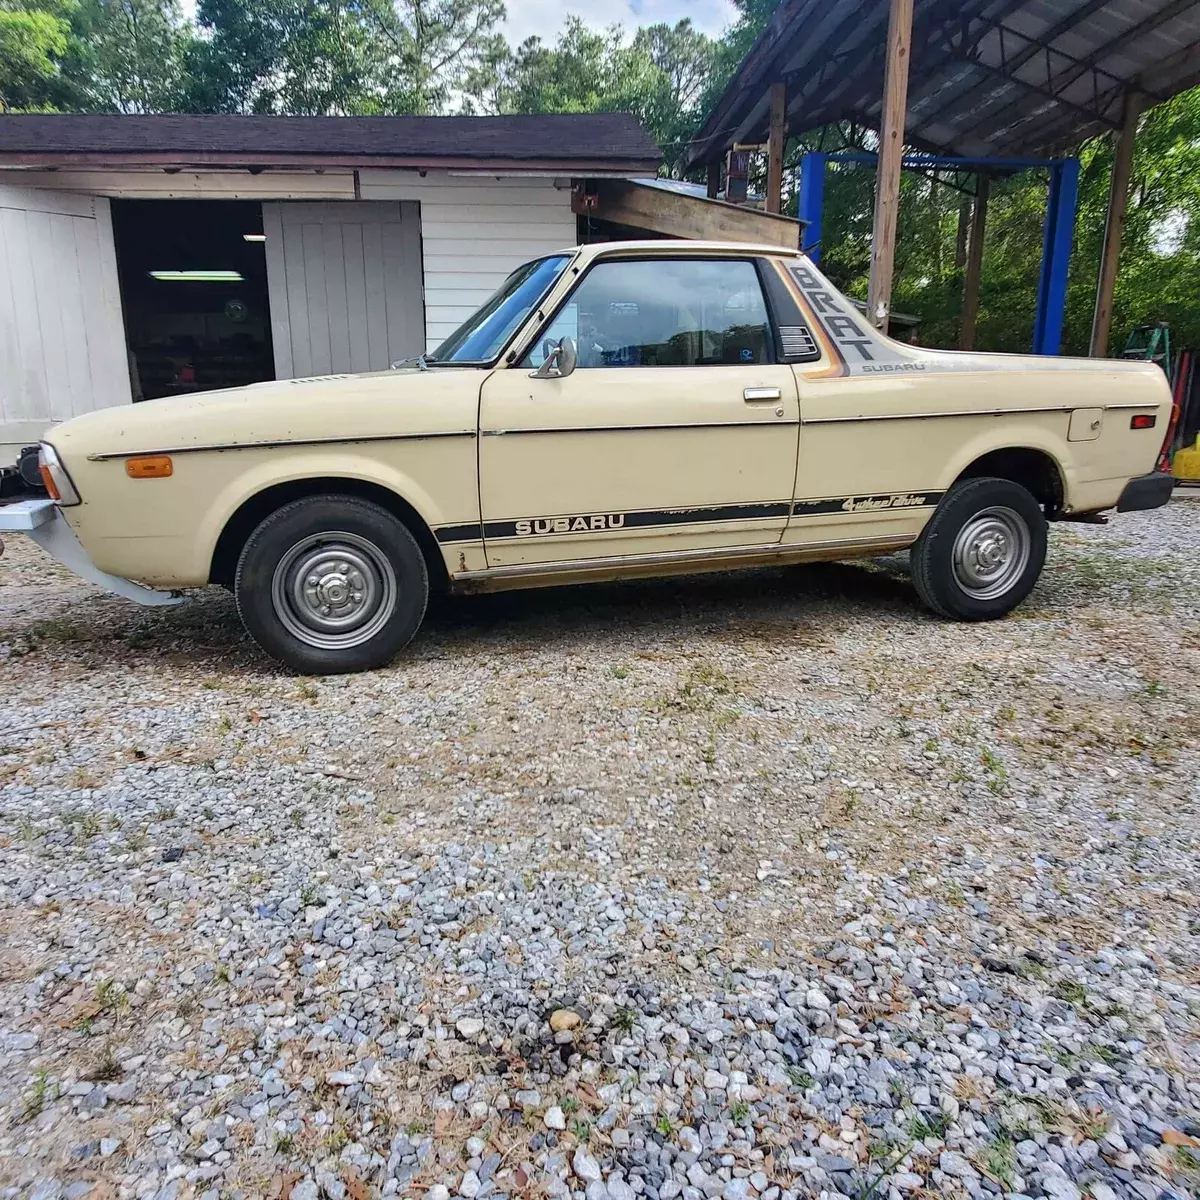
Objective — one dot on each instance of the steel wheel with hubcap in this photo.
(991, 552)
(334, 590)
(332, 584)
(982, 551)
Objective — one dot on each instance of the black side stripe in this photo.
(650, 518)
(459, 533)
(535, 527)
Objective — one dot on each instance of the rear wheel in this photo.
(982, 551)
(330, 585)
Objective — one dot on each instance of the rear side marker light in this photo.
(150, 466)
(1143, 422)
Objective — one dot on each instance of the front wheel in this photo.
(330, 585)
(982, 551)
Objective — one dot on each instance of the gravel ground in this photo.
(757, 886)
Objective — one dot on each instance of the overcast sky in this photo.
(545, 17)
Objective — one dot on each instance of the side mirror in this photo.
(559, 363)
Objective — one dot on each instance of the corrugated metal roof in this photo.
(987, 77)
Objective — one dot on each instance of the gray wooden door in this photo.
(62, 339)
(344, 281)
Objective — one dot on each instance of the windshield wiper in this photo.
(421, 361)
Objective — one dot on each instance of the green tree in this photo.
(337, 56)
(33, 40)
(435, 47)
(683, 60)
(659, 75)
(126, 55)
(752, 19)
(304, 57)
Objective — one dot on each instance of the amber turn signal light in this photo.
(150, 466)
(48, 481)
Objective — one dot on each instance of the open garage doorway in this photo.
(194, 290)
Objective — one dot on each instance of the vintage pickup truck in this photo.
(616, 410)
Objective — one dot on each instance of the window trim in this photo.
(756, 261)
(476, 364)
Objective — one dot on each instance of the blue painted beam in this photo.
(810, 202)
(1057, 238)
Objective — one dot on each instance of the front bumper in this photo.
(43, 521)
(1146, 491)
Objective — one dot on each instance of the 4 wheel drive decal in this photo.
(854, 504)
(588, 523)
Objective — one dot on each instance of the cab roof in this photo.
(677, 246)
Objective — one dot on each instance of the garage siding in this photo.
(474, 231)
(62, 341)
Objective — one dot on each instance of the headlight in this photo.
(54, 476)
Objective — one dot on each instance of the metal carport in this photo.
(1010, 78)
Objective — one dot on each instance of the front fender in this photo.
(321, 464)
(164, 531)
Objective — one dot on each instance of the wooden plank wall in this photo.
(345, 285)
(474, 231)
(62, 339)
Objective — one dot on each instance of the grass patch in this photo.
(111, 997)
(697, 689)
(1000, 1160)
(933, 1126)
(1070, 991)
(37, 1097)
(63, 630)
(624, 1019)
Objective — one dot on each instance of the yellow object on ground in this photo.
(1186, 464)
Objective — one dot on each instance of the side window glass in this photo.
(664, 313)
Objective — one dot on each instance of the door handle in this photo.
(755, 394)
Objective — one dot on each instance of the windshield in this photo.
(482, 337)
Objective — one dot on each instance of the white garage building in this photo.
(151, 256)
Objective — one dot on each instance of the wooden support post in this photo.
(776, 141)
(974, 271)
(960, 239)
(891, 153)
(1114, 226)
(714, 180)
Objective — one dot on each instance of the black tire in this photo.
(331, 585)
(982, 551)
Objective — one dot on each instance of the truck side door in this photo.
(677, 431)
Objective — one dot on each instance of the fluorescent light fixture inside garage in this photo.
(197, 276)
(254, 237)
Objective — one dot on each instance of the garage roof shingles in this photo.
(612, 140)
